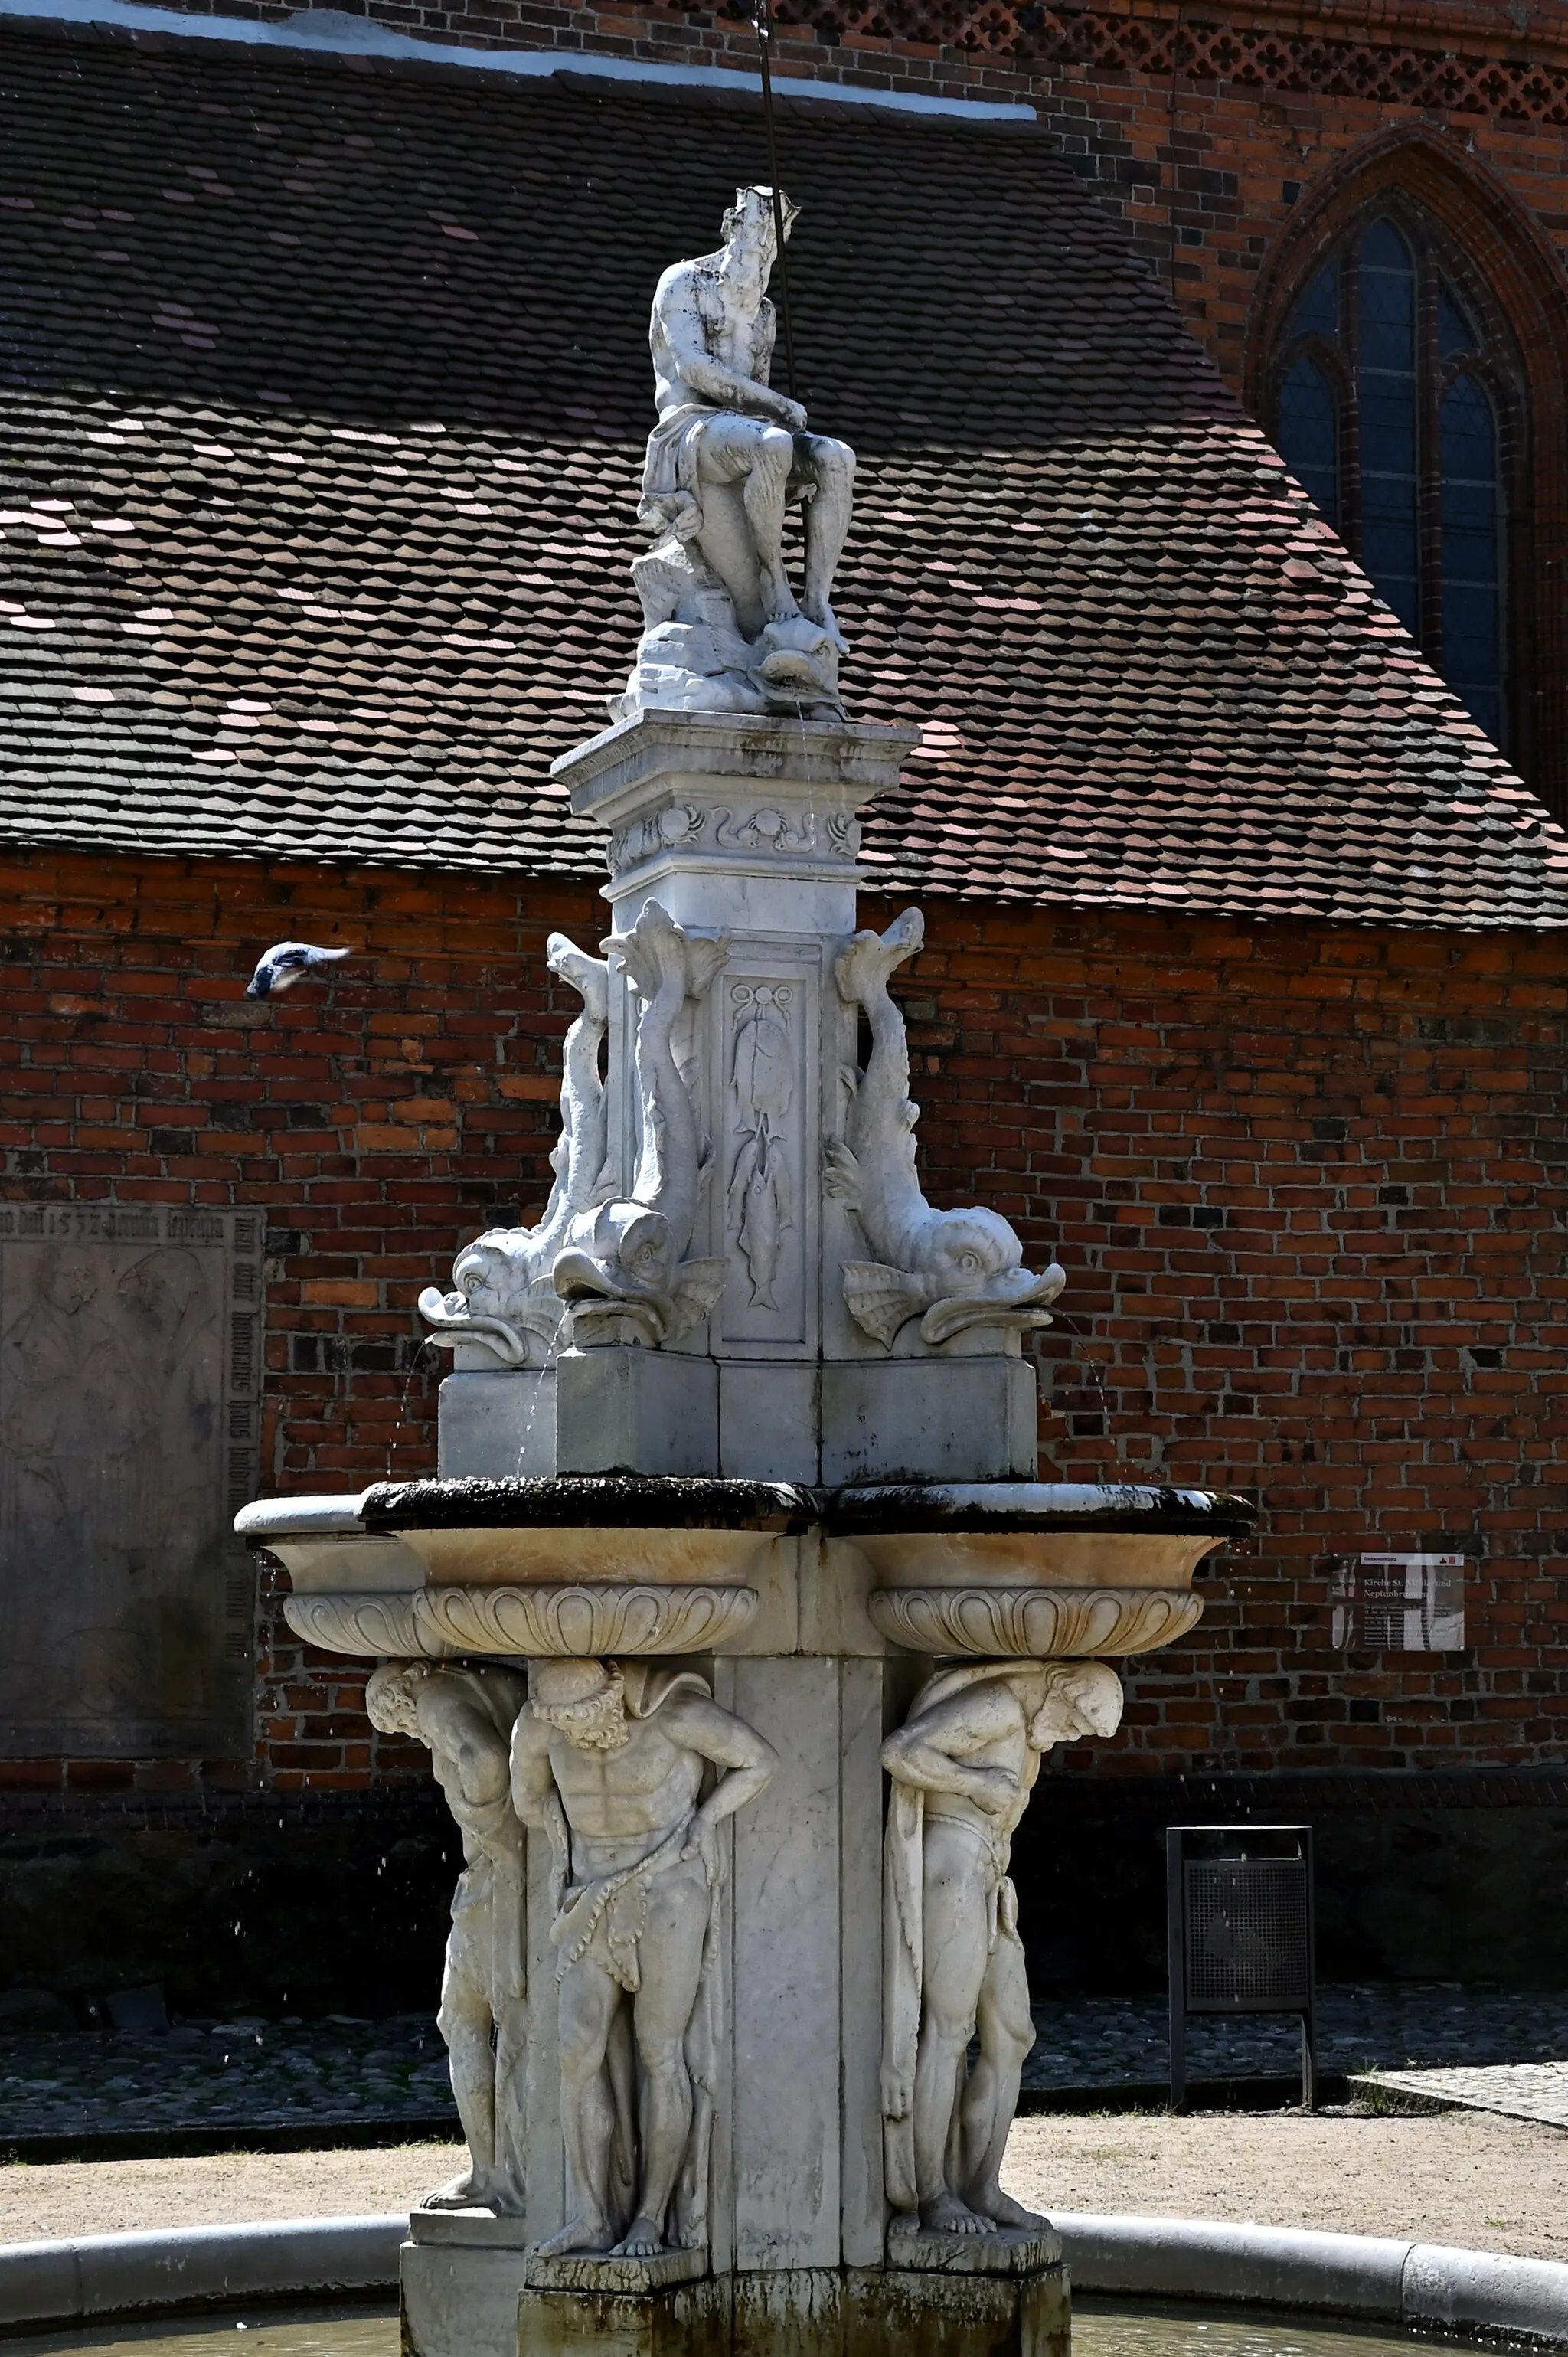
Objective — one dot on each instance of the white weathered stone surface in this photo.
(625, 1409)
(608, 1764)
(588, 2272)
(1029, 1622)
(964, 1765)
(958, 1272)
(927, 1419)
(1008, 2251)
(622, 1268)
(723, 630)
(504, 1309)
(459, 2300)
(497, 1427)
(466, 1716)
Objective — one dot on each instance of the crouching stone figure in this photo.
(614, 1763)
(466, 1717)
(963, 1766)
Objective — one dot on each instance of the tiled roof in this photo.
(325, 386)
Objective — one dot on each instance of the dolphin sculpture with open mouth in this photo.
(953, 1270)
(504, 1297)
(622, 1270)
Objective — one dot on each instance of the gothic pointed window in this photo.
(1386, 410)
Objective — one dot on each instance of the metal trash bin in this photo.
(1240, 1934)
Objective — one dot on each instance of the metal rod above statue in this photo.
(762, 24)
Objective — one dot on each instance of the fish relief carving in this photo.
(762, 1077)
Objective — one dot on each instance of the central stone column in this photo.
(727, 1321)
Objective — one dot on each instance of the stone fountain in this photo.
(735, 1620)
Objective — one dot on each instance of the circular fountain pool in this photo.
(1101, 2327)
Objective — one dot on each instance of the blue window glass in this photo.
(1309, 436)
(1386, 385)
(1472, 649)
(1317, 313)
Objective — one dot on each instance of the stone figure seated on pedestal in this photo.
(466, 1715)
(724, 631)
(610, 1761)
(964, 1765)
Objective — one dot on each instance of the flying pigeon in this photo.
(284, 962)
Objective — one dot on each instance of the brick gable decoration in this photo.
(325, 395)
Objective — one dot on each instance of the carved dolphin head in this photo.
(617, 1261)
(971, 1251)
(485, 1274)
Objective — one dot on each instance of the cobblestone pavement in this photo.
(209, 2076)
(1501, 2051)
(1520, 2090)
(1418, 2027)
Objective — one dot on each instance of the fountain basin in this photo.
(1034, 1570)
(582, 1565)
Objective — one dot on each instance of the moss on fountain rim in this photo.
(1125, 1506)
(675, 1501)
(591, 1501)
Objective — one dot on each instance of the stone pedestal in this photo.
(470, 2288)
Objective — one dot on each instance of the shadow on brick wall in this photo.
(1419, 1878)
(304, 1905)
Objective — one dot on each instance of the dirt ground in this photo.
(1469, 2178)
(1458, 2177)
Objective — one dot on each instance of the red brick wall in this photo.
(380, 1120)
(1308, 1183)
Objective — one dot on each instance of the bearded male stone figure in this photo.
(609, 1760)
(963, 1766)
(465, 1718)
(729, 457)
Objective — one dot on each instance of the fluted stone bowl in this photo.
(579, 1566)
(1034, 1570)
(592, 1565)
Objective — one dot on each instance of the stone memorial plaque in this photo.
(130, 1374)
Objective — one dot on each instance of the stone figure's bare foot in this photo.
(468, 2191)
(947, 2215)
(1003, 2210)
(642, 2240)
(590, 2235)
(778, 602)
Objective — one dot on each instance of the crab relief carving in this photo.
(622, 1270)
(953, 1270)
(503, 1296)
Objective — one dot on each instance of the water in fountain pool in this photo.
(1101, 2327)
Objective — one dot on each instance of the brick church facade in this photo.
(1244, 988)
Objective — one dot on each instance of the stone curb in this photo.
(51, 2283)
(195, 2266)
(1348, 2274)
